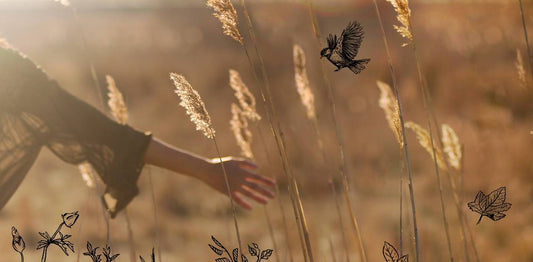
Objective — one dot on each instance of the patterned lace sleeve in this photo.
(36, 112)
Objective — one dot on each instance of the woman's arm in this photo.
(241, 176)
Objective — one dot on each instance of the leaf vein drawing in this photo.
(492, 205)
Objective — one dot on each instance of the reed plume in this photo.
(244, 96)
(116, 101)
(243, 135)
(403, 14)
(519, 64)
(195, 107)
(302, 82)
(225, 12)
(451, 147)
(87, 174)
(63, 2)
(387, 102)
(193, 104)
(424, 139)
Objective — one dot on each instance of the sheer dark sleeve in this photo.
(37, 112)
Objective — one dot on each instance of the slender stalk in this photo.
(464, 222)
(267, 216)
(529, 55)
(333, 258)
(342, 160)
(272, 115)
(426, 97)
(130, 235)
(156, 220)
(101, 99)
(341, 223)
(43, 256)
(405, 145)
(21, 257)
(234, 212)
(280, 202)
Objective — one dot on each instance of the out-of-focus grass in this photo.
(468, 53)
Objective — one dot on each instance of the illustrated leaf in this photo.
(244, 258)
(217, 242)
(404, 258)
(222, 259)
(235, 254)
(389, 253)
(492, 205)
(253, 251)
(142, 259)
(255, 246)
(216, 250)
(266, 254)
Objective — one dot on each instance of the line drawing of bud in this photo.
(69, 219)
(18, 242)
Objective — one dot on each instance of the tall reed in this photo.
(275, 128)
(100, 97)
(340, 143)
(405, 29)
(529, 54)
(303, 87)
(195, 108)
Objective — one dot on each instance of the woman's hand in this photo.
(243, 181)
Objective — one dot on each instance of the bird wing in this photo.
(332, 41)
(350, 40)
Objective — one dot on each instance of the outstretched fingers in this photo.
(241, 201)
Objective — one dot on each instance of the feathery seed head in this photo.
(244, 96)
(239, 126)
(403, 14)
(422, 135)
(227, 15)
(389, 104)
(302, 82)
(87, 174)
(452, 147)
(116, 101)
(520, 69)
(193, 104)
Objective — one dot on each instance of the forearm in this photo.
(166, 156)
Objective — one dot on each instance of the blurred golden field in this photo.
(467, 53)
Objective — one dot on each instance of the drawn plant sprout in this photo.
(106, 252)
(69, 219)
(18, 243)
(152, 256)
(226, 256)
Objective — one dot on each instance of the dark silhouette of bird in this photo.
(341, 51)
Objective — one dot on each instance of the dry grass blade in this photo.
(451, 147)
(403, 14)
(519, 64)
(87, 174)
(244, 96)
(423, 137)
(116, 101)
(193, 104)
(302, 82)
(387, 102)
(225, 12)
(243, 135)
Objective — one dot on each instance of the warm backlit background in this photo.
(468, 51)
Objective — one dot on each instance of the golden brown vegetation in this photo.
(193, 104)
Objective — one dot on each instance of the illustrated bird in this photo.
(341, 51)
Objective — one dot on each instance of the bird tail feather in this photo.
(358, 65)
